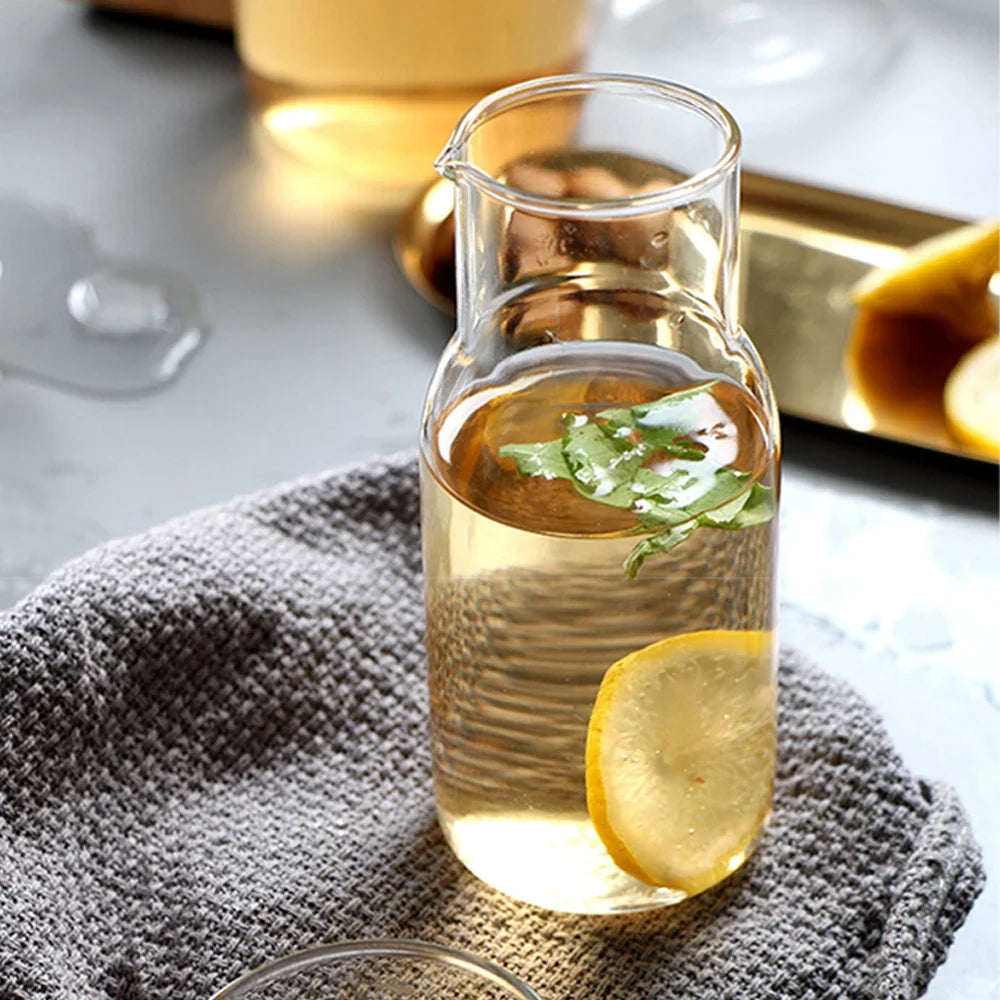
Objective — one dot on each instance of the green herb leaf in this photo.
(623, 497)
(757, 506)
(672, 440)
(605, 458)
(662, 541)
(660, 515)
(619, 421)
(682, 496)
(665, 411)
(655, 485)
(710, 488)
(725, 514)
(545, 459)
(599, 463)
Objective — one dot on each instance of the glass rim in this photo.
(451, 165)
(319, 955)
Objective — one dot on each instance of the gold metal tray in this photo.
(802, 248)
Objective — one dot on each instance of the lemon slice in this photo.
(680, 756)
(945, 276)
(972, 398)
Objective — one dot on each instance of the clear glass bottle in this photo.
(599, 459)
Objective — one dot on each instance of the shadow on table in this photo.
(893, 468)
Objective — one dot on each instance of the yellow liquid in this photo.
(373, 89)
(528, 606)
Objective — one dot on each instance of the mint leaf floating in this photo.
(662, 541)
(599, 462)
(755, 507)
(545, 460)
(605, 458)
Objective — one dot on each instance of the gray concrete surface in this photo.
(889, 561)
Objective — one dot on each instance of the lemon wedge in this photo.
(945, 276)
(972, 398)
(680, 756)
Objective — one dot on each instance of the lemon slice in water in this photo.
(972, 398)
(945, 276)
(680, 756)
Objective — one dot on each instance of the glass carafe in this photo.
(599, 461)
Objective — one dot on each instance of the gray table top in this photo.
(889, 565)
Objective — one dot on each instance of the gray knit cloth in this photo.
(213, 751)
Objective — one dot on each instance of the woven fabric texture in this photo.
(213, 751)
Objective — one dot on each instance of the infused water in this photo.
(528, 605)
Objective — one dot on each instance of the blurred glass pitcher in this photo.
(371, 90)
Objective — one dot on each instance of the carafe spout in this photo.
(453, 162)
(449, 163)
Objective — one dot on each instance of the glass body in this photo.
(371, 90)
(351, 970)
(595, 271)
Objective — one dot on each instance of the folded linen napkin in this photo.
(213, 751)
